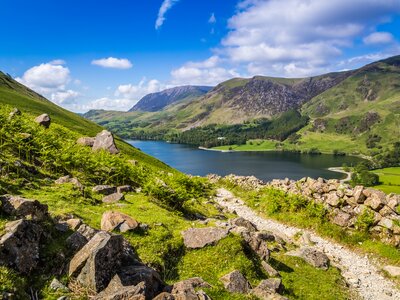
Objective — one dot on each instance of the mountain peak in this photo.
(157, 101)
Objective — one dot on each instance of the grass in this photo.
(389, 180)
(251, 145)
(297, 211)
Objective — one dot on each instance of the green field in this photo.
(252, 145)
(390, 180)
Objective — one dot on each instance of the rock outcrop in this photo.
(86, 141)
(105, 141)
(312, 256)
(19, 247)
(21, 207)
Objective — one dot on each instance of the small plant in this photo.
(365, 220)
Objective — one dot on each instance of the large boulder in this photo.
(200, 237)
(312, 256)
(115, 220)
(235, 282)
(86, 141)
(105, 141)
(21, 207)
(43, 120)
(19, 247)
(80, 238)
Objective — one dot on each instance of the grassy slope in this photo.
(390, 180)
(14, 94)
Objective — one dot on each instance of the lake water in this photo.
(263, 165)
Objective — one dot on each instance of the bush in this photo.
(365, 220)
(362, 176)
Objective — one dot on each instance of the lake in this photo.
(263, 165)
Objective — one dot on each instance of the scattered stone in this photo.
(333, 200)
(104, 189)
(393, 271)
(69, 179)
(43, 120)
(272, 284)
(14, 112)
(235, 282)
(200, 237)
(19, 246)
(133, 162)
(80, 238)
(86, 141)
(124, 189)
(256, 242)
(117, 221)
(342, 219)
(113, 198)
(269, 269)
(105, 141)
(312, 256)
(74, 223)
(244, 223)
(186, 289)
(56, 285)
(117, 291)
(21, 207)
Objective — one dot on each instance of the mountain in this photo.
(158, 101)
(354, 112)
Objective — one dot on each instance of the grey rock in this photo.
(19, 246)
(124, 189)
(86, 141)
(256, 242)
(104, 189)
(200, 237)
(105, 141)
(115, 220)
(393, 271)
(312, 256)
(235, 282)
(269, 269)
(21, 207)
(113, 198)
(341, 218)
(244, 223)
(43, 120)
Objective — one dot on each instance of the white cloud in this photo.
(165, 6)
(64, 97)
(50, 79)
(46, 77)
(112, 62)
(297, 37)
(378, 38)
(212, 19)
(104, 103)
(58, 62)
(136, 92)
(206, 72)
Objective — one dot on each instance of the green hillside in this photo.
(17, 95)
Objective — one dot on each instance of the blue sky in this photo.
(90, 54)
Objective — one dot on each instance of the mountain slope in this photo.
(157, 101)
(17, 95)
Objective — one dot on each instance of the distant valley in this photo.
(353, 112)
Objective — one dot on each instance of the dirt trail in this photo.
(359, 272)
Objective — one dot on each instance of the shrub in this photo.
(365, 220)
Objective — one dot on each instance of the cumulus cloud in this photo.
(207, 72)
(136, 92)
(378, 38)
(165, 6)
(112, 62)
(297, 37)
(104, 103)
(50, 79)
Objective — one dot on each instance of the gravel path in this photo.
(358, 271)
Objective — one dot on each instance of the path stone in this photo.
(360, 273)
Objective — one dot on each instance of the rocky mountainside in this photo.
(158, 101)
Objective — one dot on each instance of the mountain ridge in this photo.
(159, 100)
